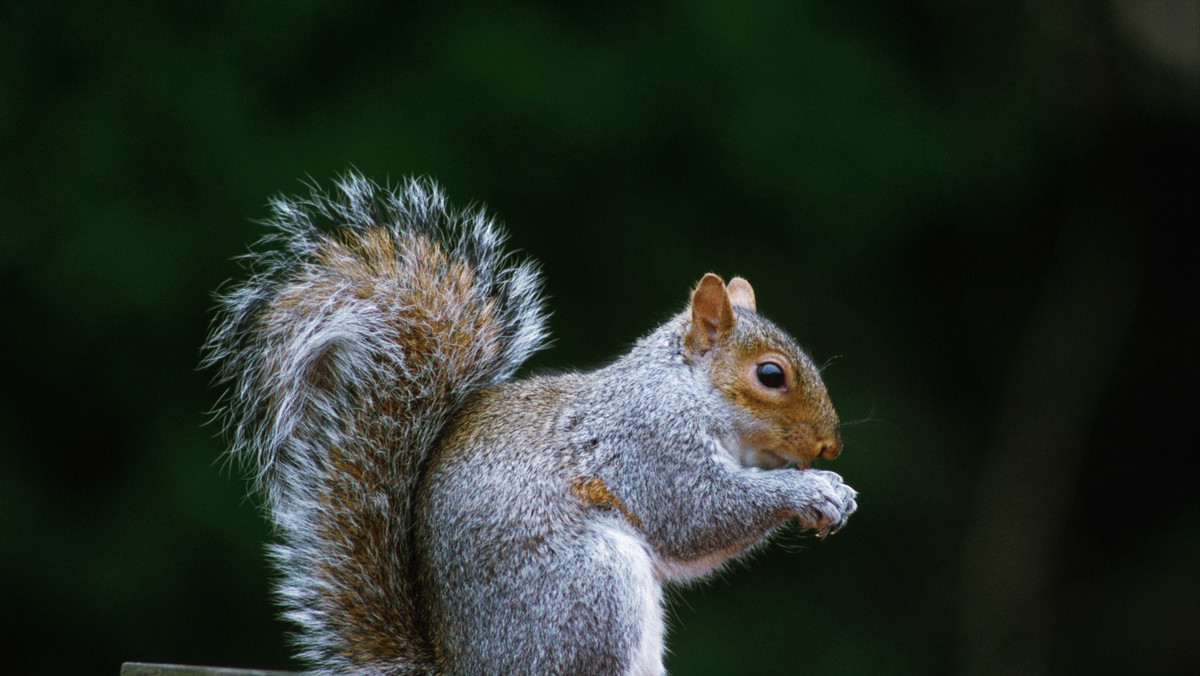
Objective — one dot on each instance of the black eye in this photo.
(771, 375)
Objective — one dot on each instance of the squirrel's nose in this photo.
(829, 448)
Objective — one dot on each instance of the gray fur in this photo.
(511, 527)
(533, 582)
(283, 426)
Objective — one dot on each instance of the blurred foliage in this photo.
(973, 213)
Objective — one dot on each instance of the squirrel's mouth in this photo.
(769, 459)
(773, 458)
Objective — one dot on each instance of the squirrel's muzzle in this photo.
(829, 448)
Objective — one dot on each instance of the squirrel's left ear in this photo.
(741, 294)
(712, 314)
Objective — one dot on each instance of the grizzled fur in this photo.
(627, 481)
(371, 315)
(437, 518)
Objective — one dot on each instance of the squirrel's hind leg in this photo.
(590, 605)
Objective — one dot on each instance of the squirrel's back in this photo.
(372, 313)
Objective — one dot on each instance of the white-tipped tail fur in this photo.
(370, 315)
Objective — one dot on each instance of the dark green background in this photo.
(975, 214)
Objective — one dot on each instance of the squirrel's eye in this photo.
(771, 375)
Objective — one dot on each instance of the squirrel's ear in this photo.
(741, 294)
(712, 314)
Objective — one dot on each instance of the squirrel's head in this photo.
(782, 413)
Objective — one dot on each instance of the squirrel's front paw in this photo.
(830, 505)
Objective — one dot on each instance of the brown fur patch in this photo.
(360, 536)
(592, 491)
(440, 311)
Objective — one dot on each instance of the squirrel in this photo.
(436, 516)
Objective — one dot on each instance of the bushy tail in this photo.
(371, 314)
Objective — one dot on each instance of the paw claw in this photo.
(828, 510)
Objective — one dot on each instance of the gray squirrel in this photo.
(435, 516)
